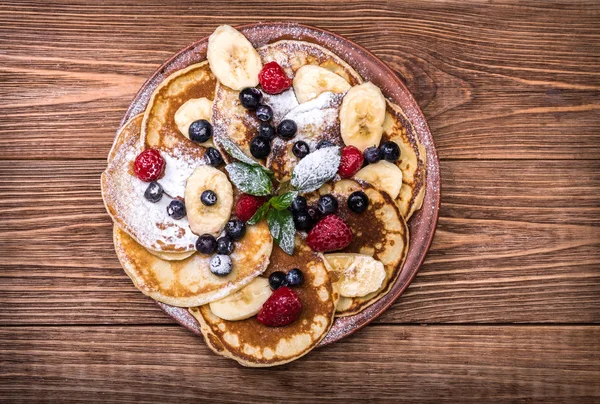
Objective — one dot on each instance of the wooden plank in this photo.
(469, 364)
(516, 242)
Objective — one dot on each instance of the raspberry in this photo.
(330, 234)
(352, 161)
(247, 206)
(281, 308)
(273, 79)
(149, 165)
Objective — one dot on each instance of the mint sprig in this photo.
(250, 179)
(316, 169)
(234, 151)
(282, 228)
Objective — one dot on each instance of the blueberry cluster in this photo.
(220, 263)
(201, 131)
(277, 279)
(388, 151)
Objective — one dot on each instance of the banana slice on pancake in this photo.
(362, 115)
(359, 274)
(383, 175)
(311, 80)
(193, 110)
(244, 303)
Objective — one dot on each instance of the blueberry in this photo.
(324, 143)
(287, 129)
(264, 113)
(235, 229)
(327, 205)
(221, 265)
(154, 192)
(371, 155)
(299, 203)
(224, 245)
(302, 220)
(250, 98)
(200, 131)
(208, 197)
(213, 157)
(300, 149)
(295, 277)
(277, 279)
(266, 131)
(314, 214)
(358, 201)
(176, 209)
(389, 151)
(259, 147)
(206, 244)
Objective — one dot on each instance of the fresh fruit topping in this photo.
(311, 80)
(302, 220)
(264, 113)
(247, 205)
(213, 157)
(371, 155)
(300, 149)
(358, 201)
(206, 244)
(233, 59)
(327, 204)
(361, 116)
(277, 279)
(260, 147)
(244, 303)
(221, 265)
(235, 229)
(149, 165)
(324, 143)
(330, 234)
(383, 175)
(352, 161)
(224, 245)
(314, 214)
(250, 98)
(299, 203)
(273, 79)
(295, 277)
(208, 197)
(283, 307)
(390, 151)
(154, 192)
(176, 209)
(266, 131)
(359, 274)
(200, 131)
(193, 110)
(287, 129)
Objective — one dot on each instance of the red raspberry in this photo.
(247, 206)
(273, 79)
(149, 165)
(330, 234)
(281, 308)
(352, 161)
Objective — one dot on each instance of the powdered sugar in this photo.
(315, 169)
(281, 103)
(178, 169)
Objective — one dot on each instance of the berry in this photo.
(324, 143)
(302, 220)
(235, 229)
(208, 197)
(221, 265)
(351, 161)
(389, 151)
(149, 165)
(314, 214)
(358, 201)
(154, 192)
(266, 131)
(295, 277)
(264, 113)
(299, 203)
(176, 209)
(327, 204)
(287, 129)
(213, 157)
(260, 147)
(200, 131)
(330, 234)
(250, 98)
(300, 149)
(273, 79)
(247, 205)
(277, 279)
(283, 307)
(371, 155)
(224, 245)
(206, 244)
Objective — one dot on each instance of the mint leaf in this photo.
(260, 214)
(316, 169)
(283, 201)
(249, 179)
(234, 151)
(281, 226)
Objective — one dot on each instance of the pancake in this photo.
(189, 282)
(253, 344)
(380, 232)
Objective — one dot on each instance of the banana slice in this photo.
(208, 219)
(233, 59)
(172, 256)
(382, 175)
(359, 274)
(310, 81)
(191, 111)
(361, 116)
(244, 303)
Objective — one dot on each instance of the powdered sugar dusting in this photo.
(179, 167)
(281, 104)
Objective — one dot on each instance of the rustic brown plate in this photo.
(422, 224)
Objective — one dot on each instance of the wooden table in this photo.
(507, 304)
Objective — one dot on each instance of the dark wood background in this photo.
(507, 304)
